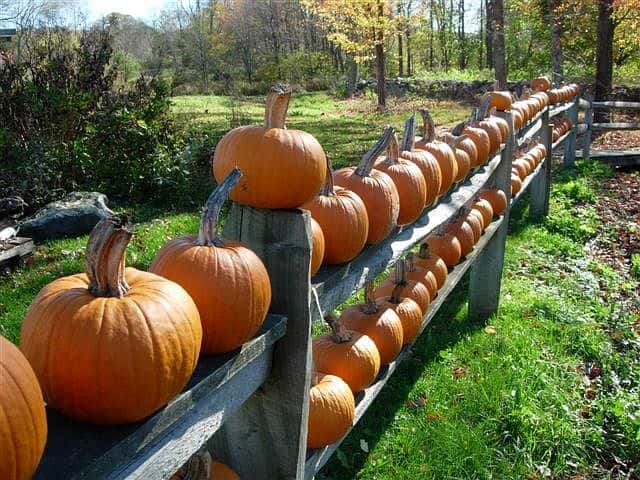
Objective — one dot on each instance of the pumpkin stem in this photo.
(458, 129)
(208, 234)
(428, 126)
(393, 150)
(455, 141)
(340, 333)
(275, 113)
(327, 187)
(104, 260)
(370, 306)
(400, 277)
(411, 262)
(484, 107)
(424, 251)
(369, 158)
(409, 134)
(395, 297)
(473, 117)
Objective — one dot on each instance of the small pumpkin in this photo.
(116, 312)
(420, 274)
(497, 198)
(342, 216)
(465, 143)
(282, 168)
(462, 158)
(408, 179)
(516, 184)
(460, 229)
(484, 207)
(417, 291)
(375, 188)
(383, 326)
(347, 354)
(520, 168)
(444, 154)
(430, 261)
(226, 279)
(474, 222)
(476, 213)
(408, 311)
(541, 84)
(23, 423)
(446, 246)
(317, 247)
(495, 135)
(332, 409)
(479, 137)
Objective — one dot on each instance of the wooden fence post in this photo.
(267, 438)
(486, 273)
(570, 143)
(588, 118)
(541, 185)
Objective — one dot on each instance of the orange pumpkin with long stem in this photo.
(408, 179)
(343, 218)
(347, 354)
(430, 261)
(446, 246)
(331, 410)
(375, 188)
(383, 326)
(209, 263)
(282, 168)
(417, 291)
(23, 424)
(440, 150)
(131, 318)
(408, 311)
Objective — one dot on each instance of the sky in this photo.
(145, 9)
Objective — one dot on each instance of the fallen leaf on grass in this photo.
(459, 372)
(364, 446)
(490, 329)
(435, 416)
(419, 402)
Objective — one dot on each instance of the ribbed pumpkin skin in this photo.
(464, 233)
(383, 327)
(446, 160)
(521, 167)
(430, 168)
(516, 184)
(435, 265)
(493, 131)
(23, 421)
(356, 361)
(468, 145)
(476, 226)
(281, 168)
(426, 277)
(502, 125)
(497, 198)
(411, 187)
(541, 84)
(344, 222)
(416, 291)
(485, 209)
(478, 216)
(410, 315)
(317, 252)
(447, 247)
(331, 410)
(82, 348)
(380, 197)
(500, 100)
(483, 144)
(464, 164)
(229, 284)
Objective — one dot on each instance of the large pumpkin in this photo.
(226, 279)
(113, 345)
(500, 100)
(281, 168)
(492, 129)
(398, 281)
(440, 150)
(331, 410)
(446, 246)
(408, 179)
(343, 218)
(497, 198)
(23, 422)
(383, 326)
(347, 354)
(375, 188)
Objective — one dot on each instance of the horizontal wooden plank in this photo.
(15, 247)
(527, 182)
(622, 158)
(558, 109)
(561, 140)
(335, 283)
(158, 446)
(616, 126)
(318, 457)
(530, 132)
(605, 105)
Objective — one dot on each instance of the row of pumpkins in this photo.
(205, 294)
(524, 165)
(561, 127)
(372, 334)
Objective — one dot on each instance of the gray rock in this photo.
(74, 215)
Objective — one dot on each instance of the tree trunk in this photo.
(352, 77)
(498, 44)
(409, 57)
(400, 56)
(431, 35)
(380, 63)
(488, 31)
(462, 62)
(556, 41)
(482, 42)
(604, 56)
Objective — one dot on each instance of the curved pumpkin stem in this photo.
(400, 277)
(393, 150)
(208, 234)
(370, 306)
(275, 113)
(395, 296)
(368, 159)
(484, 107)
(458, 129)
(409, 134)
(428, 125)
(424, 251)
(455, 141)
(327, 187)
(340, 333)
(104, 259)
(473, 116)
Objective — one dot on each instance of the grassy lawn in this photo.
(552, 390)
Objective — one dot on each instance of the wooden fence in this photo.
(250, 407)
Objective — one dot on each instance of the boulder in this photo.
(74, 215)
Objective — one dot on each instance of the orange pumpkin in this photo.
(433, 263)
(474, 222)
(419, 274)
(476, 213)
(493, 131)
(441, 151)
(131, 318)
(516, 184)
(520, 168)
(500, 100)
(497, 198)
(347, 354)
(465, 143)
(409, 181)
(201, 467)
(331, 410)
(408, 311)
(484, 207)
(383, 326)
(226, 279)
(375, 188)
(343, 218)
(460, 229)
(446, 246)
(282, 168)
(417, 291)
(317, 247)
(503, 126)
(541, 84)
(462, 158)
(479, 137)
(23, 424)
